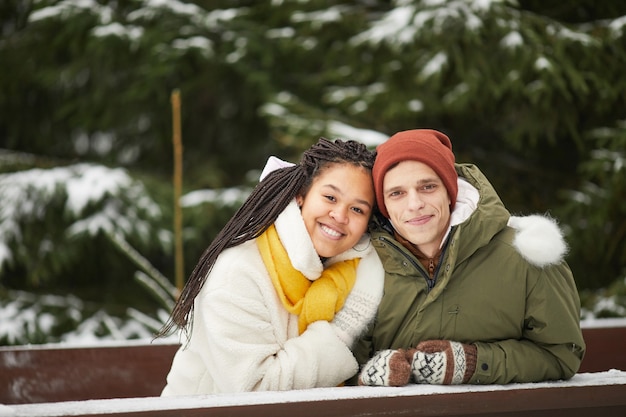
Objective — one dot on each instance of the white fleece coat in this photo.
(243, 339)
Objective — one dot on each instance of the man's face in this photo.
(418, 204)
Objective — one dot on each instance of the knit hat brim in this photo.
(428, 146)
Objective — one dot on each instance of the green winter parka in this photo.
(507, 290)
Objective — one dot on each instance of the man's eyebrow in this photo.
(358, 200)
(417, 183)
(394, 188)
(428, 179)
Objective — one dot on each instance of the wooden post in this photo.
(178, 185)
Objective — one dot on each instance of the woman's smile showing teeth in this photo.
(331, 232)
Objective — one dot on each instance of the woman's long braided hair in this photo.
(260, 210)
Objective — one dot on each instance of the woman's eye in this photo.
(358, 210)
(330, 198)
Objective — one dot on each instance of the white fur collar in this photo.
(296, 241)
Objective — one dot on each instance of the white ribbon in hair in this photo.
(273, 163)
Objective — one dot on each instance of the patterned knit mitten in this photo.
(386, 368)
(442, 362)
(352, 320)
(361, 304)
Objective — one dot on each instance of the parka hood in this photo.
(538, 238)
(484, 219)
(480, 213)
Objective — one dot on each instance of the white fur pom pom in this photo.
(538, 239)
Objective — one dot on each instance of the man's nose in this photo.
(415, 200)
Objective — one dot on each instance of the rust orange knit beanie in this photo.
(428, 146)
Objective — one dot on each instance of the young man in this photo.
(471, 295)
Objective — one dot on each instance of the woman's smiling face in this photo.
(337, 208)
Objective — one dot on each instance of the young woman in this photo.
(290, 282)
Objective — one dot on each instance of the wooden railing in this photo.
(30, 374)
(52, 375)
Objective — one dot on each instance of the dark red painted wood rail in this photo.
(49, 373)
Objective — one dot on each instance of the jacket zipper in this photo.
(430, 282)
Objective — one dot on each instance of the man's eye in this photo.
(358, 210)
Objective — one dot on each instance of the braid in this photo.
(261, 209)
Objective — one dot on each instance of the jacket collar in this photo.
(297, 242)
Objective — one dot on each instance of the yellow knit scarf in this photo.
(309, 300)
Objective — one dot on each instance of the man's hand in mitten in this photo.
(442, 362)
(386, 368)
